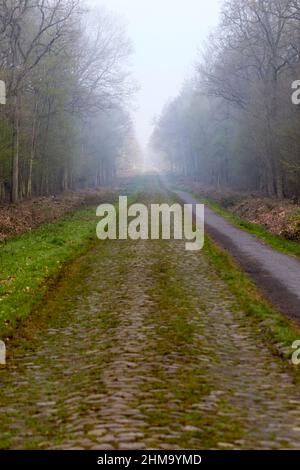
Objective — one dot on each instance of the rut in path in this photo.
(145, 348)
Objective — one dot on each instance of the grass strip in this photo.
(30, 262)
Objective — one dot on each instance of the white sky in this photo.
(166, 36)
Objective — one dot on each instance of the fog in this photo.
(166, 36)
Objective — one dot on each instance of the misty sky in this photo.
(166, 35)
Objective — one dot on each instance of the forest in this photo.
(149, 232)
(66, 123)
(234, 123)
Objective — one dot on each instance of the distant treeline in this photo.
(65, 124)
(234, 124)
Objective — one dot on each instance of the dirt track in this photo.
(276, 273)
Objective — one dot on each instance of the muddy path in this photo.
(145, 348)
(277, 274)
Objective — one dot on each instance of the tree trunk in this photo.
(270, 180)
(65, 179)
(279, 183)
(15, 151)
(32, 149)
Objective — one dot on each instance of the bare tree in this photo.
(100, 67)
(30, 29)
(256, 43)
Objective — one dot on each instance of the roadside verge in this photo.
(31, 262)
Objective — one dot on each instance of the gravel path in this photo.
(276, 273)
(145, 348)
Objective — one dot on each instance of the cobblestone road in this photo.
(145, 348)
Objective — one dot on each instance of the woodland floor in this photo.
(145, 347)
(279, 217)
(30, 214)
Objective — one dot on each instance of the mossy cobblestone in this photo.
(144, 348)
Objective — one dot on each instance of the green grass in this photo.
(275, 241)
(30, 261)
(278, 330)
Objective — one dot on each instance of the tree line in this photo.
(234, 124)
(66, 123)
